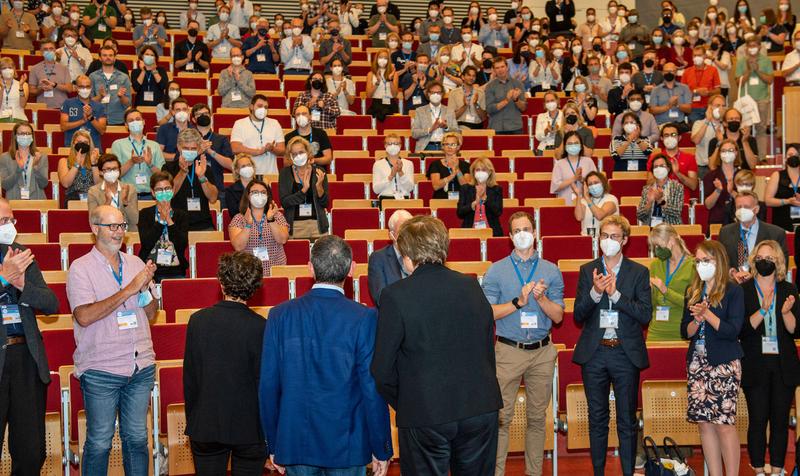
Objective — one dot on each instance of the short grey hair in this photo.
(396, 217)
(331, 258)
(189, 136)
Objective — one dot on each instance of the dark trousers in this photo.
(23, 399)
(465, 447)
(211, 459)
(611, 366)
(769, 403)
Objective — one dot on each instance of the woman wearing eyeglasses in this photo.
(164, 231)
(712, 320)
(259, 228)
(448, 174)
(110, 191)
(23, 167)
(770, 367)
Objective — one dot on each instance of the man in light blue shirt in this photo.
(139, 157)
(149, 33)
(493, 33)
(111, 87)
(297, 51)
(671, 100)
(527, 297)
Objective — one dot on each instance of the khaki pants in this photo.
(762, 138)
(536, 367)
(305, 230)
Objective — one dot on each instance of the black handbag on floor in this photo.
(653, 465)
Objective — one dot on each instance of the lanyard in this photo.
(6, 93)
(605, 271)
(574, 170)
(260, 226)
(25, 169)
(190, 177)
(530, 275)
(163, 222)
(553, 122)
(701, 332)
(118, 274)
(396, 184)
(769, 316)
(794, 184)
(648, 78)
(672, 274)
(138, 152)
(260, 130)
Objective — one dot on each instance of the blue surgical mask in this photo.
(24, 140)
(49, 55)
(434, 36)
(621, 55)
(407, 45)
(144, 298)
(539, 54)
(189, 155)
(573, 149)
(596, 190)
(580, 88)
(136, 127)
(657, 40)
(148, 60)
(742, 9)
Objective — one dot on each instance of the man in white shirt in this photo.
(259, 136)
(467, 53)
(791, 63)
(73, 55)
(223, 36)
(192, 14)
(297, 51)
(241, 12)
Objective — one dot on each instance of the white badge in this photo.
(416, 100)
(480, 225)
(48, 94)
(236, 96)
(127, 320)
(261, 58)
(164, 257)
(261, 253)
(545, 84)
(647, 98)
(149, 96)
(193, 204)
(222, 49)
(769, 345)
(386, 101)
(190, 66)
(559, 18)
(305, 209)
(437, 135)
(25, 193)
(11, 314)
(631, 46)
(452, 195)
(528, 320)
(696, 98)
(655, 221)
(141, 179)
(83, 196)
(469, 117)
(633, 166)
(102, 27)
(106, 99)
(399, 196)
(113, 87)
(753, 81)
(609, 319)
(382, 36)
(297, 61)
(674, 114)
(662, 313)
(20, 34)
(700, 347)
(794, 212)
(316, 115)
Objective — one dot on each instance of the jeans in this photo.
(105, 394)
(302, 470)
(697, 114)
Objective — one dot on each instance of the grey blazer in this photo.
(12, 178)
(729, 237)
(422, 122)
(129, 207)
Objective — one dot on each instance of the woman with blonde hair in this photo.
(595, 204)
(303, 188)
(243, 172)
(480, 202)
(78, 171)
(382, 86)
(13, 94)
(670, 275)
(450, 173)
(23, 167)
(445, 69)
(718, 183)
(770, 367)
(712, 320)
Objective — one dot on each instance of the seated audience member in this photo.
(571, 169)
(262, 52)
(718, 183)
(149, 33)
(223, 36)
(73, 55)
(341, 87)
(243, 172)
(618, 95)
(630, 150)
(83, 113)
(745, 142)
(405, 58)
(79, 171)
(385, 265)
(15, 92)
(164, 231)
(191, 54)
(637, 106)
(782, 191)
(382, 87)
(163, 109)
(111, 87)
(705, 130)
(49, 80)
(671, 101)
(317, 137)
(149, 80)
(571, 121)
(468, 102)
(432, 121)
(297, 51)
(547, 123)
(167, 135)
(259, 227)
(23, 167)
(335, 47)
(322, 104)
(480, 204)
(594, 202)
(740, 237)
(449, 173)
(670, 275)
(259, 136)
(684, 164)
(662, 200)
(139, 157)
(703, 80)
(393, 176)
(236, 84)
(304, 192)
(193, 188)
(110, 191)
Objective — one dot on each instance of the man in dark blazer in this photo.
(740, 238)
(434, 360)
(384, 265)
(613, 304)
(25, 373)
(319, 404)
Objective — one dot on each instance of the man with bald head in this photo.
(671, 101)
(385, 265)
(108, 292)
(23, 363)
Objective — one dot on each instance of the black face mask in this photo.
(263, 31)
(765, 267)
(669, 77)
(192, 32)
(666, 19)
(316, 84)
(82, 147)
(335, 32)
(572, 119)
(649, 63)
(734, 126)
(203, 120)
(526, 54)
(487, 63)
(597, 48)
(793, 161)
(714, 46)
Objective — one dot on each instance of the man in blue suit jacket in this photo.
(319, 405)
(384, 265)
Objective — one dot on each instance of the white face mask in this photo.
(466, 37)
(698, 60)
(706, 271)
(174, 94)
(297, 31)
(716, 113)
(624, 78)
(635, 106)
(551, 105)
(84, 92)
(660, 173)
(300, 159)
(610, 247)
(111, 176)
(433, 13)
(57, 11)
(393, 45)
(70, 41)
(7, 233)
(181, 116)
(7, 73)
(712, 16)
(474, 10)
(382, 62)
(590, 18)
(247, 172)
(481, 176)
(337, 70)
(493, 17)
(301, 120)
(253, 25)
(435, 99)
(237, 60)
(444, 59)
(678, 40)
(629, 127)
(784, 7)
(147, 21)
(558, 53)
(522, 240)
(260, 113)
(670, 142)
(577, 50)
(258, 200)
(744, 188)
(448, 20)
(752, 51)
(223, 17)
(74, 16)
(728, 157)
(393, 149)
(745, 215)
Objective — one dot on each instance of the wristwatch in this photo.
(515, 302)
(203, 180)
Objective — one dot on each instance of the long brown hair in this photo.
(245, 203)
(694, 292)
(12, 147)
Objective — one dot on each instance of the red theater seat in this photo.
(28, 221)
(498, 247)
(531, 189)
(207, 257)
(359, 249)
(354, 219)
(554, 248)
(204, 292)
(66, 221)
(558, 221)
(523, 165)
(516, 142)
(169, 340)
(464, 249)
(48, 255)
(297, 252)
(353, 122)
(59, 345)
(567, 331)
(170, 380)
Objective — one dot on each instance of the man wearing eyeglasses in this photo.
(684, 164)
(108, 291)
(25, 373)
(613, 303)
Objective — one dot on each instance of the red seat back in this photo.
(169, 340)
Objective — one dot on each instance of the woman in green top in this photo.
(670, 275)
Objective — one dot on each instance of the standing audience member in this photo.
(703, 80)
(260, 228)
(662, 200)
(386, 265)
(140, 157)
(317, 137)
(15, 92)
(149, 33)
(745, 142)
(754, 71)
(23, 167)
(505, 100)
(18, 28)
(223, 36)
(236, 84)
(321, 103)
(719, 183)
(164, 231)
(449, 173)
(193, 189)
(73, 55)
(631, 149)
(571, 169)
(262, 52)
(341, 87)
(432, 121)
(243, 172)
(335, 47)
(167, 134)
(297, 51)
(303, 188)
(671, 101)
(468, 101)
(782, 191)
(79, 171)
(684, 164)
(110, 191)
(149, 79)
(480, 203)
(49, 80)
(192, 54)
(216, 147)
(259, 136)
(703, 131)
(382, 87)
(670, 274)
(111, 87)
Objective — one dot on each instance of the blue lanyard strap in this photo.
(769, 316)
(574, 171)
(260, 225)
(118, 274)
(133, 146)
(672, 274)
(259, 129)
(530, 275)
(795, 184)
(701, 332)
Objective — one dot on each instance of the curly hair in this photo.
(239, 274)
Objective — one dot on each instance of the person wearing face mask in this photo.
(740, 237)
(243, 172)
(50, 81)
(711, 25)
(671, 101)
(52, 24)
(342, 88)
(191, 54)
(102, 18)
(636, 105)
(259, 136)
(544, 72)
(240, 13)
(635, 35)
(782, 193)
(193, 186)
(745, 181)
(595, 203)
(561, 14)
(680, 51)
(719, 184)
(386, 265)
(336, 47)
(527, 297)
(648, 77)
(237, 85)
(259, 227)
(745, 142)
(684, 164)
(167, 134)
(755, 74)
(547, 123)
(23, 167)
(139, 157)
(320, 143)
(493, 33)
(78, 171)
(662, 200)
(149, 80)
(713, 317)
(613, 302)
(465, 52)
(164, 109)
(526, 26)
(381, 23)
(631, 149)
(432, 121)
(393, 176)
(571, 168)
(769, 365)
(589, 30)
(707, 129)
(110, 191)
(618, 95)
(297, 50)
(613, 23)
(82, 113)
(216, 147)
(773, 34)
(192, 14)
(791, 62)
(321, 104)
(261, 51)
(450, 34)
(164, 231)
(149, 33)
(433, 18)
(14, 93)
(18, 28)
(703, 80)
(303, 191)
(480, 203)
(348, 18)
(223, 36)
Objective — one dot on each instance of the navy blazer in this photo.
(634, 307)
(319, 404)
(722, 345)
(383, 270)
